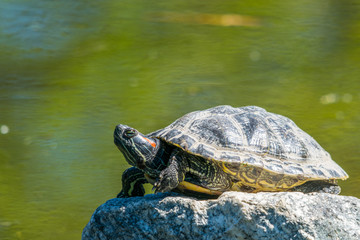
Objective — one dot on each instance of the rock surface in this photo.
(234, 215)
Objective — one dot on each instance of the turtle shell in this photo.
(253, 137)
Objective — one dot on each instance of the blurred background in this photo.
(71, 70)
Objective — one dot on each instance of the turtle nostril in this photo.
(119, 129)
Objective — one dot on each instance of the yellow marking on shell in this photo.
(282, 186)
(244, 177)
(236, 187)
(264, 183)
(264, 180)
(192, 187)
(227, 170)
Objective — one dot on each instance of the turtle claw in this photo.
(160, 190)
(155, 188)
(164, 184)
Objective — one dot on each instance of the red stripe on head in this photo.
(152, 143)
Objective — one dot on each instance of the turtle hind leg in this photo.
(318, 186)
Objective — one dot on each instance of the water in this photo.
(71, 71)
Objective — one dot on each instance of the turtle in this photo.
(224, 148)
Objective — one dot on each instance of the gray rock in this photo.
(234, 215)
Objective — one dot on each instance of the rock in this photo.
(234, 215)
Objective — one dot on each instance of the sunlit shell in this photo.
(251, 135)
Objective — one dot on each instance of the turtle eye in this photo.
(130, 133)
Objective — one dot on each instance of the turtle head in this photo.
(136, 147)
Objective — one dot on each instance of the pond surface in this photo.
(70, 71)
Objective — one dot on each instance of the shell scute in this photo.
(293, 170)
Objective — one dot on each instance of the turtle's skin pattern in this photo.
(223, 149)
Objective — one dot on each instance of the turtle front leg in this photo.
(132, 183)
(173, 174)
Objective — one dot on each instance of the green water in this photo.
(70, 71)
